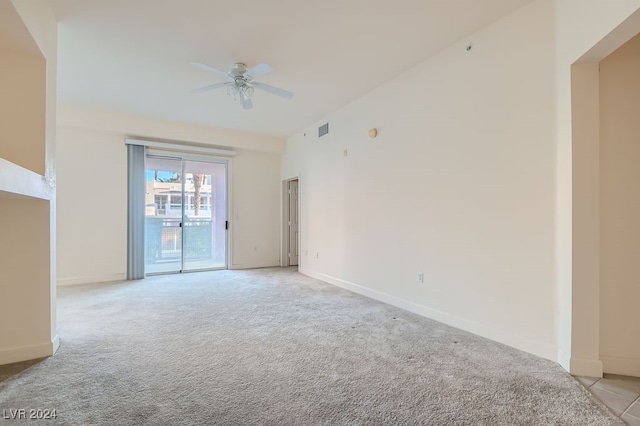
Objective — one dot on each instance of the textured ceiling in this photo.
(134, 56)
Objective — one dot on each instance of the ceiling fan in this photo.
(242, 85)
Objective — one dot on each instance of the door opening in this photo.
(291, 233)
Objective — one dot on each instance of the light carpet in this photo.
(274, 347)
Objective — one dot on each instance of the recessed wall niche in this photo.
(23, 94)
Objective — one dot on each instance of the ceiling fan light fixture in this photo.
(239, 88)
(247, 91)
(232, 90)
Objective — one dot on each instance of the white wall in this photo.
(92, 200)
(459, 184)
(256, 209)
(620, 210)
(92, 191)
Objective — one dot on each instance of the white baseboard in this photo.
(55, 343)
(25, 353)
(585, 367)
(541, 349)
(623, 366)
(254, 265)
(91, 279)
(564, 359)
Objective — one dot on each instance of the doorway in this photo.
(601, 311)
(185, 214)
(291, 223)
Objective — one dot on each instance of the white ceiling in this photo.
(134, 56)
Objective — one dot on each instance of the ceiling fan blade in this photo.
(212, 69)
(271, 89)
(210, 87)
(246, 102)
(257, 71)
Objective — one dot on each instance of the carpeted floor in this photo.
(273, 347)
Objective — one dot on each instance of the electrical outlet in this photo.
(421, 277)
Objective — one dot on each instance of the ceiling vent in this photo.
(323, 130)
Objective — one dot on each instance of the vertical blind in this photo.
(135, 211)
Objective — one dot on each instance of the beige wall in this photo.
(459, 185)
(28, 54)
(22, 106)
(586, 210)
(92, 182)
(586, 32)
(620, 210)
(24, 277)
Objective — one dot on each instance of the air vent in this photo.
(323, 130)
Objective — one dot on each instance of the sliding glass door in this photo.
(163, 215)
(204, 229)
(186, 215)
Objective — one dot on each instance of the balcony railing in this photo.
(164, 239)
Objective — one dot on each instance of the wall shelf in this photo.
(18, 182)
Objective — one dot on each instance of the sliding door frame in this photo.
(137, 150)
(183, 157)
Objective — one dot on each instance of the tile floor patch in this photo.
(617, 403)
(621, 394)
(625, 393)
(627, 386)
(634, 410)
(587, 381)
(631, 420)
